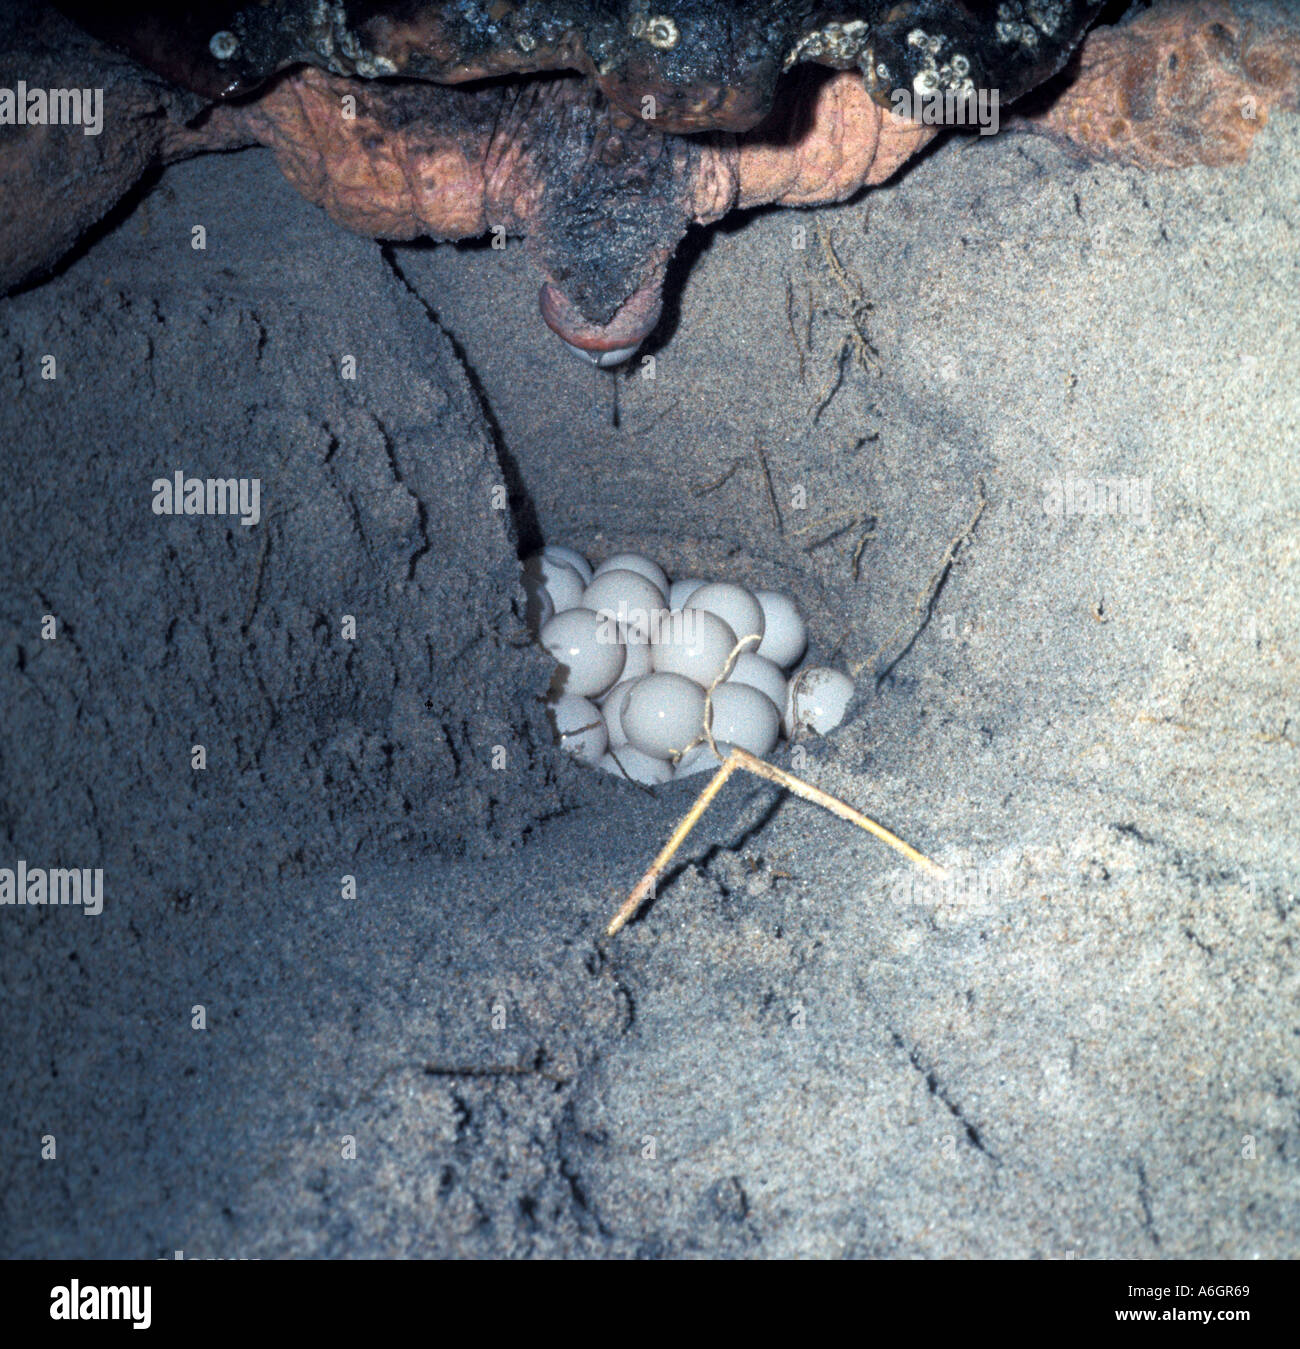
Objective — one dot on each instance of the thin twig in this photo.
(832, 536)
(645, 886)
(832, 385)
(853, 517)
(771, 491)
(713, 486)
(926, 596)
(857, 553)
(740, 758)
(794, 334)
(635, 433)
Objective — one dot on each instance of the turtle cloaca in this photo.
(599, 131)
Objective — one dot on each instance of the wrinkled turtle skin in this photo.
(604, 186)
(599, 131)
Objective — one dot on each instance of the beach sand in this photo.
(1085, 1046)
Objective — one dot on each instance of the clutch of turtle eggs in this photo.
(636, 656)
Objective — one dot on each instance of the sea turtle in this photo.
(600, 130)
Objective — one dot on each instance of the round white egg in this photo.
(611, 707)
(633, 600)
(743, 716)
(737, 608)
(627, 761)
(589, 661)
(579, 727)
(663, 713)
(638, 660)
(818, 700)
(561, 580)
(638, 563)
(701, 759)
(559, 553)
(785, 635)
(680, 591)
(694, 643)
(761, 674)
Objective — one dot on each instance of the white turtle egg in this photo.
(630, 598)
(694, 643)
(611, 706)
(701, 759)
(743, 716)
(663, 713)
(558, 552)
(680, 591)
(761, 674)
(560, 579)
(819, 698)
(785, 637)
(579, 641)
(627, 761)
(638, 660)
(638, 563)
(737, 608)
(578, 727)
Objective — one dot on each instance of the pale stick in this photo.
(644, 888)
(740, 758)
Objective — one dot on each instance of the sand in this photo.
(1086, 1046)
